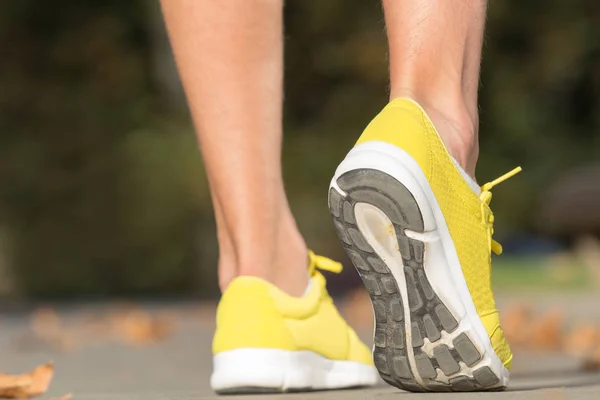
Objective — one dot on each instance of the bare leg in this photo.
(230, 57)
(435, 53)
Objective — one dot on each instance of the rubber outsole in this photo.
(445, 359)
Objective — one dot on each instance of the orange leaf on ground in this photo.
(47, 330)
(12, 385)
(592, 363)
(546, 333)
(45, 322)
(26, 385)
(139, 328)
(67, 396)
(516, 320)
(582, 340)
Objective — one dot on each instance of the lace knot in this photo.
(323, 263)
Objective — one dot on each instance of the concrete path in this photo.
(178, 368)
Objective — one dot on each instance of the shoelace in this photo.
(323, 263)
(486, 197)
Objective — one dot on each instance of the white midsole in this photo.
(368, 218)
(285, 370)
(441, 264)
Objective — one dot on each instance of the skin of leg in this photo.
(435, 56)
(230, 58)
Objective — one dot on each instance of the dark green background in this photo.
(102, 190)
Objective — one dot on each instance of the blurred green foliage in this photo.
(102, 189)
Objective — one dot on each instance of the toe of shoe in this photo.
(500, 345)
(357, 350)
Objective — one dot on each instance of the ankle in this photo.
(459, 133)
(456, 124)
(282, 261)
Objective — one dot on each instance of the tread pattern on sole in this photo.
(429, 316)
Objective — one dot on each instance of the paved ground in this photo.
(179, 367)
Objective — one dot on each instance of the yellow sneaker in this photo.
(268, 341)
(420, 236)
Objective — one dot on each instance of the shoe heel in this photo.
(424, 338)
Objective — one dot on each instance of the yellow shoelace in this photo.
(323, 263)
(486, 197)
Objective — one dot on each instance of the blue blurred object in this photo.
(524, 244)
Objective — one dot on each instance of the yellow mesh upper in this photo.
(254, 313)
(405, 124)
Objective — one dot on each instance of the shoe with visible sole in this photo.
(269, 342)
(420, 237)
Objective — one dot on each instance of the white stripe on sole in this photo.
(252, 370)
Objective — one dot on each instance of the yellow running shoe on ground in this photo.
(267, 341)
(418, 230)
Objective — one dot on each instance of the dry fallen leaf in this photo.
(26, 385)
(67, 396)
(125, 322)
(516, 320)
(45, 322)
(139, 328)
(592, 363)
(582, 340)
(47, 330)
(546, 333)
(12, 385)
